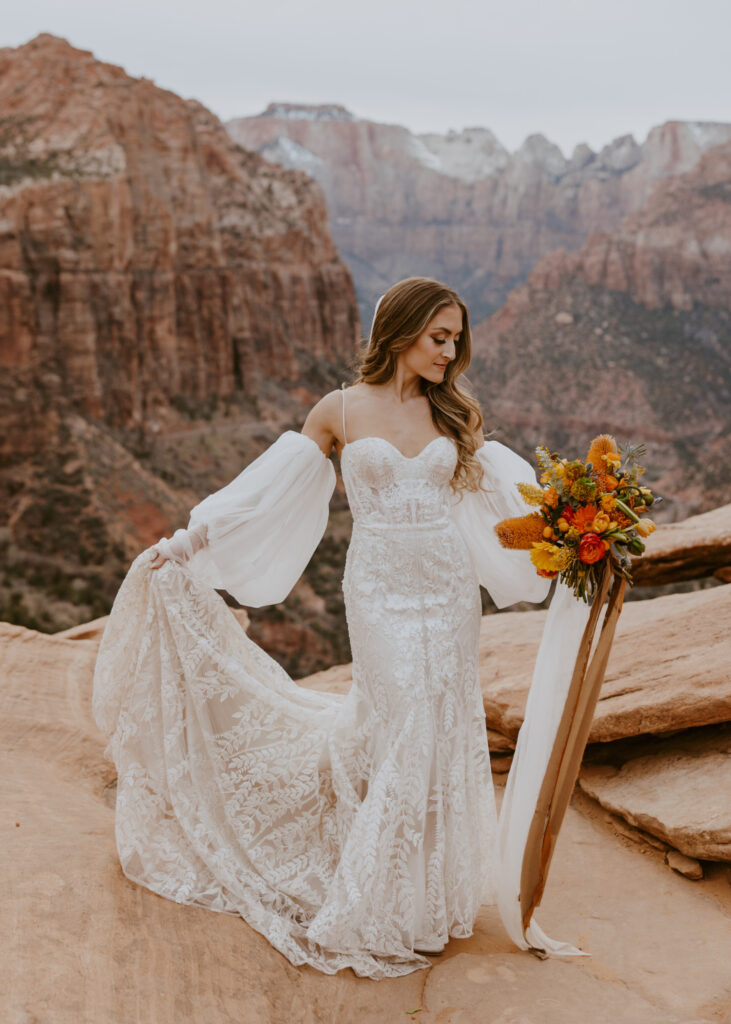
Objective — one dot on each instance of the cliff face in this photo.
(144, 256)
(631, 335)
(169, 302)
(460, 207)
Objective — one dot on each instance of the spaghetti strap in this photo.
(342, 391)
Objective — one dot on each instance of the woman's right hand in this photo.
(157, 559)
(180, 547)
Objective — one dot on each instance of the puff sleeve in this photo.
(259, 531)
(507, 575)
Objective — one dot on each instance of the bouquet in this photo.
(588, 512)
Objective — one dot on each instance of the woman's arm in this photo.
(320, 426)
(323, 422)
(254, 537)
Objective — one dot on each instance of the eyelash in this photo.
(440, 341)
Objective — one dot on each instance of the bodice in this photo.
(388, 489)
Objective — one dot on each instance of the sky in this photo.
(574, 70)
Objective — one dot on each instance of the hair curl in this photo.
(402, 316)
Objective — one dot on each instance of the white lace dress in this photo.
(346, 829)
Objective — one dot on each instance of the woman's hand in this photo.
(180, 547)
(157, 559)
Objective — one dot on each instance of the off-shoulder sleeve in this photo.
(263, 527)
(507, 575)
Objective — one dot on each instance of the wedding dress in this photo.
(347, 829)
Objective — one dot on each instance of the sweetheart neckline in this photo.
(408, 458)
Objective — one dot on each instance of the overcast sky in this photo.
(575, 70)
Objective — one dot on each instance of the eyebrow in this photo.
(446, 330)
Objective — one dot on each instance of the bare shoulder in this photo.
(321, 422)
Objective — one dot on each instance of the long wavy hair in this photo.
(403, 314)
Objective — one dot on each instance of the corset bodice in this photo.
(386, 488)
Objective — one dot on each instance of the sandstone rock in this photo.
(84, 631)
(145, 257)
(668, 668)
(681, 792)
(152, 273)
(686, 866)
(76, 930)
(696, 547)
(677, 681)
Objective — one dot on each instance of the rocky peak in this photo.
(621, 154)
(145, 256)
(469, 155)
(540, 152)
(308, 112)
(676, 146)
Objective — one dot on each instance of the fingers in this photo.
(156, 559)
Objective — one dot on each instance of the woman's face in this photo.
(436, 346)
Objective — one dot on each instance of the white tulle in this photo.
(263, 527)
(507, 575)
(348, 830)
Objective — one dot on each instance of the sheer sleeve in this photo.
(262, 528)
(507, 575)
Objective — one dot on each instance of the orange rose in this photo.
(591, 548)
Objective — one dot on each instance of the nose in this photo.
(449, 350)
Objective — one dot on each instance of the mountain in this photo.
(630, 335)
(460, 206)
(168, 302)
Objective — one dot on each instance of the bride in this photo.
(352, 831)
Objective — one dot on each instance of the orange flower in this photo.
(610, 483)
(591, 548)
(521, 531)
(550, 497)
(601, 445)
(601, 522)
(582, 518)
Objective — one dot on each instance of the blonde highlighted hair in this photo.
(403, 314)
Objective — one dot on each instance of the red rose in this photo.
(591, 548)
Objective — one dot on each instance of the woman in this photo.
(352, 830)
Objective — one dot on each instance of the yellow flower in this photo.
(612, 457)
(562, 524)
(531, 494)
(545, 555)
(645, 527)
(545, 477)
(608, 502)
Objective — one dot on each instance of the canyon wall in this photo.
(144, 256)
(459, 206)
(631, 334)
(169, 302)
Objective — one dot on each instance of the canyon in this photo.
(460, 207)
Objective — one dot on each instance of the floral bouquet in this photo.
(588, 512)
